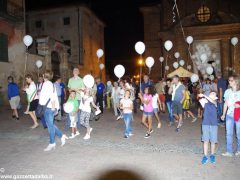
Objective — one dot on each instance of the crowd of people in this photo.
(217, 103)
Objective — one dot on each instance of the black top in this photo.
(168, 96)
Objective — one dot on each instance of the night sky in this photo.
(124, 27)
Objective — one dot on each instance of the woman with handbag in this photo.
(48, 97)
(32, 97)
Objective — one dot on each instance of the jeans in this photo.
(220, 111)
(170, 111)
(43, 122)
(229, 133)
(128, 120)
(52, 129)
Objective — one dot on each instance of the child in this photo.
(156, 102)
(186, 105)
(85, 107)
(147, 110)
(73, 115)
(126, 104)
(209, 125)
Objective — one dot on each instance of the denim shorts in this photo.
(148, 113)
(155, 110)
(210, 133)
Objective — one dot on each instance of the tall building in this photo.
(212, 24)
(75, 26)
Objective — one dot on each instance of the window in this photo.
(66, 20)
(38, 24)
(3, 47)
(203, 13)
(68, 42)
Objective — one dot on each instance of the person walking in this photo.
(115, 97)
(100, 91)
(48, 97)
(13, 97)
(231, 97)
(32, 98)
(169, 102)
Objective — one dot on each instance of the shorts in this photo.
(33, 105)
(162, 97)
(148, 113)
(209, 133)
(73, 121)
(177, 108)
(14, 102)
(155, 110)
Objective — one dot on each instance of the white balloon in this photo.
(39, 64)
(177, 54)
(101, 66)
(166, 68)
(140, 47)
(175, 65)
(88, 81)
(203, 57)
(161, 59)
(189, 67)
(234, 41)
(209, 70)
(168, 45)
(27, 40)
(68, 107)
(149, 62)
(109, 83)
(218, 61)
(181, 62)
(211, 77)
(189, 39)
(119, 71)
(99, 53)
(194, 78)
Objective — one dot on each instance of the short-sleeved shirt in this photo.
(100, 88)
(231, 97)
(85, 104)
(76, 83)
(148, 107)
(155, 101)
(210, 114)
(178, 96)
(126, 103)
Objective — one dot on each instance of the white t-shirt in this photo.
(31, 91)
(85, 104)
(126, 103)
(155, 101)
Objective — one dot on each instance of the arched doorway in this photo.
(55, 60)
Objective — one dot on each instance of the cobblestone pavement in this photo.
(165, 155)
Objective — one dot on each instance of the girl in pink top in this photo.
(147, 110)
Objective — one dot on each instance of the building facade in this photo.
(13, 54)
(76, 27)
(212, 24)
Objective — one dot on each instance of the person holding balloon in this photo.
(71, 107)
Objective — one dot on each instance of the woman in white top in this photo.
(32, 97)
(48, 97)
(115, 97)
(156, 103)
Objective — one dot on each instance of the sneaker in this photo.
(151, 131)
(77, 133)
(147, 135)
(227, 154)
(17, 118)
(159, 125)
(212, 159)
(131, 134)
(86, 137)
(177, 129)
(237, 153)
(72, 136)
(204, 160)
(126, 137)
(194, 120)
(119, 117)
(13, 116)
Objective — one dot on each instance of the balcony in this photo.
(12, 10)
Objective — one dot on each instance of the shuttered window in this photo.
(3, 47)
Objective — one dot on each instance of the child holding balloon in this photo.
(71, 107)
